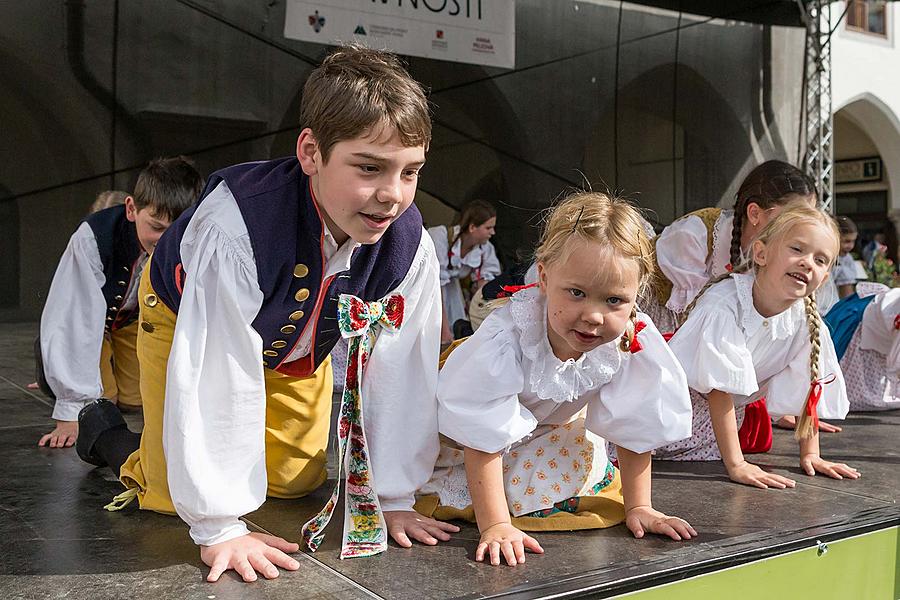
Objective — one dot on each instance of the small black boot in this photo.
(94, 419)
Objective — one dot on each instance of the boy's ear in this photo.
(308, 152)
(130, 209)
(758, 252)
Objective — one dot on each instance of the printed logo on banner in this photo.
(317, 22)
(360, 30)
(439, 43)
(483, 45)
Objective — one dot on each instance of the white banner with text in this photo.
(481, 32)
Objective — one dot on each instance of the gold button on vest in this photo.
(148, 327)
(301, 270)
(296, 315)
(279, 344)
(270, 353)
(302, 294)
(150, 300)
(288, 329)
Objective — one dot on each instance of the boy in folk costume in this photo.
(244, 300)
(89, 325)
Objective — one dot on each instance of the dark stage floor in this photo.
(57, 541)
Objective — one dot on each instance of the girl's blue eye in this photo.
(576, 292)
(613, 301)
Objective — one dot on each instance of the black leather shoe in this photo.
(94, 419)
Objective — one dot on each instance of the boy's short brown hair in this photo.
(355, 90)
(168, 186)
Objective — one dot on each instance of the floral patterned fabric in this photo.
(365, 532)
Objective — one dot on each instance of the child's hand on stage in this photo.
(506, 539)
(750, 474)
(248, 554)
(403, 524)
(641, 519)
(790, 422)
(63, 436)
(813, 463)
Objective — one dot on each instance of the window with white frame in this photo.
(869, 16)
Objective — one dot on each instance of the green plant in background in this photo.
(884, 271)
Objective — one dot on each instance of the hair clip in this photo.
(578, 219)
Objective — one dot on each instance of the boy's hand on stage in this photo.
(750, 474)
(63, 436)
(248, 554)
(813, 463)
(641, 519)
(405, 524)
(505, 539)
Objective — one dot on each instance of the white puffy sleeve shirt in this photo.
(881, 328)
(726, 345)
(214, 421)
(504, 381)
(481, 259)
(683, 256)
(72, 326)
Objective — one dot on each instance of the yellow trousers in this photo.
(120, 371)
(298, 413)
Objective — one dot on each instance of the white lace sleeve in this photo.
(491, 267)
(478, 404)
(712, 348)
(681, 250)
(647, 404)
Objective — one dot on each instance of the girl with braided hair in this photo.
(757, 331)
(705, 243)
(526, 402)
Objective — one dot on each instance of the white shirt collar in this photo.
(780, 326)
(337, 259)
(551, 378)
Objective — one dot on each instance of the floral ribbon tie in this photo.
(365, 532)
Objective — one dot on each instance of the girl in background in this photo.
(468, 260)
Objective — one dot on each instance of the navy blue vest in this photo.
(286, 234)
(119, 249)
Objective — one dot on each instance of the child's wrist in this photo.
(494, 524)
(631, 508)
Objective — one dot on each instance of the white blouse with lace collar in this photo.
(682, 250)
(504, 381)
(726, 345)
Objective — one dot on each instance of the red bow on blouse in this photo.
(635, 344)
(509, 290)
(897, 322)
